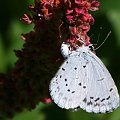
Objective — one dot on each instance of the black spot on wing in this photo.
(91, 97)
(73, 91)
(84, 86)
(67, 62)
(89, 103)
(79, 84)
(85, 100)
(60, 76)
(76, 108)
(84, 66)
(102, 99)
(111, 89)
(65, 79)
(75, 68)
(68, 90)
(108, 98)
(63, 69)
(97, 99)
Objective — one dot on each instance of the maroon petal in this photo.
(26, 19)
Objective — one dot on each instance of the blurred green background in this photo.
(106, 19)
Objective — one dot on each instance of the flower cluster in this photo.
(54, 21)
(73, 14)
(80, 20)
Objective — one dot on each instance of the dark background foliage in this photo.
(106, 19)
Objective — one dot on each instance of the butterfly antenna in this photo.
(98, 38)
(103, 41)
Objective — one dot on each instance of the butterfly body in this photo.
(83, 81)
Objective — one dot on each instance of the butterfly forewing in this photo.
(65, 87)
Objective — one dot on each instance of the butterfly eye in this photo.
(91, 47)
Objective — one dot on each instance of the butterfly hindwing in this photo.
(102, 95)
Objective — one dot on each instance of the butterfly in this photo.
(83, 81)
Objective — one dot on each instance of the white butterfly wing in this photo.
(65, 87)
(102, 95)
(84, 82)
